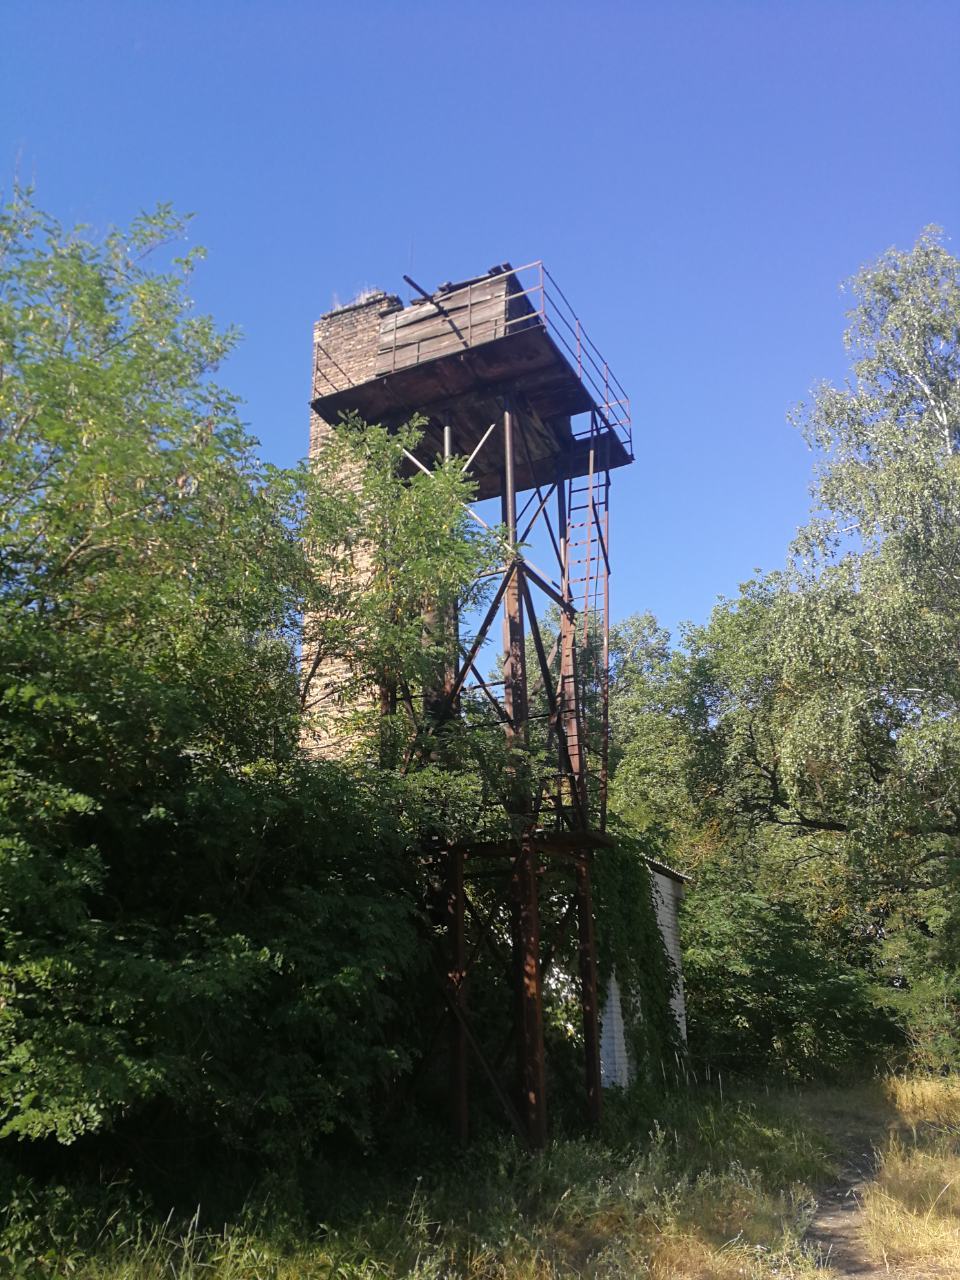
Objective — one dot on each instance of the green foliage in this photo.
(206, 935)
(801, 754)
(766, 993)
(630, 945)
(393, 555)
(201, 931)
(665, 1191)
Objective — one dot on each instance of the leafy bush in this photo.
(202, 931)
(766, 994)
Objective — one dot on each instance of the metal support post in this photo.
(452, 621)
(514, 650)
(443, 626)
(525, 907)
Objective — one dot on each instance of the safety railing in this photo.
(532, 296)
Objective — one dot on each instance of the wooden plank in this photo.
(449, 302)
(428, 337)
(439, 343)
(427, 318)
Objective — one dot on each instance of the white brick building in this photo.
(615, 1065)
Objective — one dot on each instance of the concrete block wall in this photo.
(616, 1068)
(667, 896)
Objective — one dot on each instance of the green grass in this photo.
(704, 1189)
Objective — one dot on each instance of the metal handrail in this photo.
(552, 310)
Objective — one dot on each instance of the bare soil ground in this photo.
(836, 1230)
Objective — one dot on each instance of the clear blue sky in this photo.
(698, 176)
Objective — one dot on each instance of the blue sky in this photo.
(699, 177)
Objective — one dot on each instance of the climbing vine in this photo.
(630, 944)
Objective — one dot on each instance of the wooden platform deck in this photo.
(454, 356)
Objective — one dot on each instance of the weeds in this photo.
(711, 1190)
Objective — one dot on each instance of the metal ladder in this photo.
(588, 584)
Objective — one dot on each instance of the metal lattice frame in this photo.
(565, 821)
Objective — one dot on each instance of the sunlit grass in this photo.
(926, 1100)
(912, 1207)
(679, 1202)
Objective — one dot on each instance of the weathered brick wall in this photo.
(345, 345)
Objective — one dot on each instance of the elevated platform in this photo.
(455, 355)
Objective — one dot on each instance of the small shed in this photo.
(668, 890)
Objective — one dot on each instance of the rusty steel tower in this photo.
(507, 378)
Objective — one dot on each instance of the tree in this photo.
(838, 698)
(814, 723)
(389, 552)
(202, 931)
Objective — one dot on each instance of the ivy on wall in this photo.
(630, 944)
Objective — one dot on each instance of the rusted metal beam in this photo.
(488, 1070)
(561, 843)
(514, 650)
(565, 605)
(545, 675)
(486, 935)
(557, 720)
(536, 515)
(481, 635)
(605, 669)
(485, 690)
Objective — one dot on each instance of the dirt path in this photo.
(835, 1232)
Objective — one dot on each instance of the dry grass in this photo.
(925, 1100)
(685, 1257)
(579, 1212)
(912, 1208)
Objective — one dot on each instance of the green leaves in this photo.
(393, 556)
(807, 739)
(200, 929)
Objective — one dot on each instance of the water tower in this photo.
(507, 378)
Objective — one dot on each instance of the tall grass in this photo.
(711, 1190)
(639, 1220)
(912, 1207)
